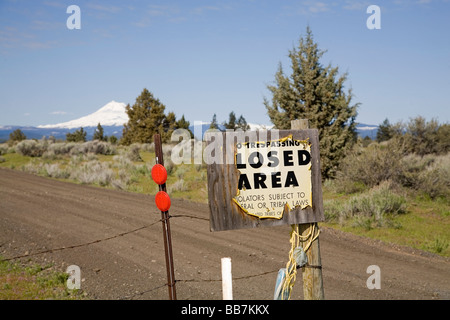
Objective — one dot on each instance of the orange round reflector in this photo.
(159, 174)
(162, 200)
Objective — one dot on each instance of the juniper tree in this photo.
(76, 136)
(385, 131)
(315, 92)
(184, 124)
(145, 118)
(17, 135)
(169, 124)
(99, 133)
(231, 124)
(214, 124)
(242, 124)
(234, 123)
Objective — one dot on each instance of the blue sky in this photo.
(206, 57)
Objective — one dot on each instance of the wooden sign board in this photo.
(263, 178)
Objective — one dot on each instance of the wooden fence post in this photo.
(312, 272)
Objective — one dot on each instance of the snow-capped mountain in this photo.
(111, 114)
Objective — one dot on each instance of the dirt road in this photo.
(38, 214)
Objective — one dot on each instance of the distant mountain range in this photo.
(112, 114)
(112, 117)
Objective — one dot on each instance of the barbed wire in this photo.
(198, 281)
(98, 240)
(133, 231)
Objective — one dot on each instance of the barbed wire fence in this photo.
(85, 244)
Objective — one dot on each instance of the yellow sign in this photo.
(273, 175)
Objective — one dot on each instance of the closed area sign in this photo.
(273, 175)
(263, 178)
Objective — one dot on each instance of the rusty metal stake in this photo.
(166, 227)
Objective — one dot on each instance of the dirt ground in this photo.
(38, 214)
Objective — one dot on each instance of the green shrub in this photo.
(169, 165)
(371, 165)
(167, 150)
(141, 170)
(3, 149)
(335, 211)
(377, 201)
(31, 148)
(94, 147)
(435, 179)
(410, 168)
(54, 171)
(378, 162)
(61, 148)
(421, 136)
(121, 161)
(418, 135)
(438, 245)
(178, 185)
(180, 172)
(429, 174)
(369, 209)
(344, 186)
(149, 147)
(133, 153)
(34, 167)
(93, 172)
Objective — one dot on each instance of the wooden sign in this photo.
(263, 178)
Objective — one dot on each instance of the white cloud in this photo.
(205, 9)
(163, 10)
(58, 113)
(54, 4)
(308, 7)
(103, 8)
(316, 7)
(356, 5)
(45, 25)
